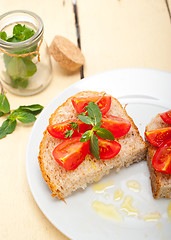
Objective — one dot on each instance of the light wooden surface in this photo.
(21, 218)
(114, 34)
(126, 33)
(169, 1)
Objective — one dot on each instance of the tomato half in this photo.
(116, 125)
(70, 153)
(58, 130)
(166, 116)
(108, 149)
(158, 136)
(81, 102)
(162, 158)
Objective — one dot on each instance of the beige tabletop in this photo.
(113, 34)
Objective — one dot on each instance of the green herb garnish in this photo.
(4, 105)
(94, 117)
(70, 132)
(94, 146)
(20, 33)
(20, 68)
(24, 114)
(7, 127)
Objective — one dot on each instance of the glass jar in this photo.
(25, 66)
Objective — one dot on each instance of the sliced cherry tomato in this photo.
(158, 136)
(81, 102)
(166, 116)
(58, 130)
(116, 125)
(70, 153)
(108, 149)
(162, 158)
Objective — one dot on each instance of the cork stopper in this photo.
(67, 54)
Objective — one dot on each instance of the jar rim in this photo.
(23, 44)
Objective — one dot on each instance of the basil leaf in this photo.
(86, 136)
(4, 104)
(97, 126)
(82, 114)
(22, 32)
(17, 68)
(19, 82)
(86, 119)
(34, 109)
(1, 114)
(26, 117)
(11, 126)
(13, 39)
(2, 133)
(2, 128)
(3, 36)
(105, 134)
(93, 111)
(13, 115)
(20, 68)
(94, 146)
(7, 127)
(7, 59)
(31, 67)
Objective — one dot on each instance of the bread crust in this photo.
(62, 182)
(160, 182)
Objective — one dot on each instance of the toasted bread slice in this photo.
(62, 182)
(160, 182)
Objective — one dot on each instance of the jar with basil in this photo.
(25, 66)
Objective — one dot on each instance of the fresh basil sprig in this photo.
(4, 105)
(94, 146)
(20, 68)
(70, 132)
(24, 114)
(7, 127)
(105, 134)
(94, 112)
(94, 117)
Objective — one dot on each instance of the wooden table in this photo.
(113, 34)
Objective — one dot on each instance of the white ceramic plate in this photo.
(147, 93)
